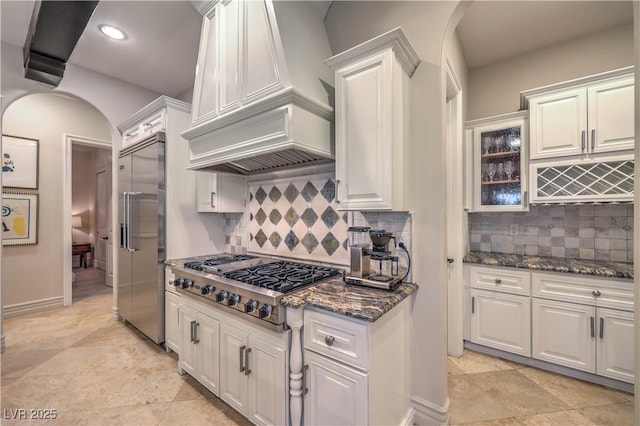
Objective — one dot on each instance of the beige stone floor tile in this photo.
(192, 389)
(147, 389)
(575, 393)
(195, 412)
(560, 418)
(141, 415)
(513, 390)
(614, 415)
(74, 361)
(34, 392)
(17, 363)
(90, 390)
(453, 368)
(474, 362)
(469, 403)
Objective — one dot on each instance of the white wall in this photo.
(32, 273)
(495, 88)
(424, 24)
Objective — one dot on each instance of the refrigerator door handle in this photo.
(130, 221)
(123, 224)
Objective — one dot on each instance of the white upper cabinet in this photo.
(372, 99)
(590, 118)
(220, 192)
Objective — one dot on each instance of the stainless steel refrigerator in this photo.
(141, 205)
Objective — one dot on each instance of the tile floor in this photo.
(96, 371)
(485, 390)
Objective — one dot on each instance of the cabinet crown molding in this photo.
(161, 102)
(394, 39)
(526, 94)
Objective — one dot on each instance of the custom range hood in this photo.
(262, 92)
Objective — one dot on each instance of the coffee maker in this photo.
(372, 263)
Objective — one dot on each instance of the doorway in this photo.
(87, 200)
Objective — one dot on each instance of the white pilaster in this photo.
(295, 321)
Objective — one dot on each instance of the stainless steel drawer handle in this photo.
(498, 281)
(602, 328)
(329, 340)
(592, 321)
(242, 358)
(596, 293)
(247, 370)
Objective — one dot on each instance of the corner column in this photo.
(295, 320)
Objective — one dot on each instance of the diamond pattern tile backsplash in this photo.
(298, 217)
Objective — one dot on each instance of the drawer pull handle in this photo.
(593, 326)
(305, 371)
(243, 366)
(584, 133)
(473, 305)
(602, 328)
(329, 340)
(247, 370)
(596, 293)
(498, 281)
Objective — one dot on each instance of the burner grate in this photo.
(283, 276)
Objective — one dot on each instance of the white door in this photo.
(558, 124)
(172, 334)
(615, 344)
(564, 333)
(337, 394)
(611, 115)
(233, 377)
(209, 353)
(188, 360)
(102, 207)
(501, 321)
(267, 383)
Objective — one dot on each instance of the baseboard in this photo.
(24, 308)
(427, 413)
(408, 417)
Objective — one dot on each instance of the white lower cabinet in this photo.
(340, 393)
(199, 355)
(596, 340)
(172, 334)
(253, 375)
(243, 364)
(501, 321)
(356, 372)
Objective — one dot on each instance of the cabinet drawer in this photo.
(131, 135)
(609, 293)
(338, 338)
(506, 280)
(153, 123)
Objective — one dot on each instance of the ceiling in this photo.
(161, 49)
(491, 31)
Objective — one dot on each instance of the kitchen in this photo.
(426, 77)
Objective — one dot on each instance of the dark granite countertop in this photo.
(363, 303)
(553, 264)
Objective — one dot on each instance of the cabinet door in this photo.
(131, 135)
(615, 351)
(233, 379)
(337, 394)
(364, 133)
(172, 335)
(558, 124)
(564, 333)
(501, 321)
(500, 166)
(267, 382)
(188, 360)
(209, 352)
(611, 115)
(206, 192)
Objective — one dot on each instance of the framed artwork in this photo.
(19, 219)
(19, 162)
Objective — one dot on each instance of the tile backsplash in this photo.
(601, 232)
(298, 217)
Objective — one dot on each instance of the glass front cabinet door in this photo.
(499, 162)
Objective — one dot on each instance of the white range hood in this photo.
(262, 93)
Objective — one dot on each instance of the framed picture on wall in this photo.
(19, 219)
(19, 162)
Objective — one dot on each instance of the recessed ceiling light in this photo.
(112, 32)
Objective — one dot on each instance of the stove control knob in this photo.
(265, 311)
(179, 282)
(206, 289)
(250, 306)
(234, 299)
(222, 296)
(187, 283)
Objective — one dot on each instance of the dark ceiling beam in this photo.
(54, 31)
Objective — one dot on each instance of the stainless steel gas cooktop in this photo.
(248, 286)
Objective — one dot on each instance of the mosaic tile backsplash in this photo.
(601, 232)
(298, 217)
